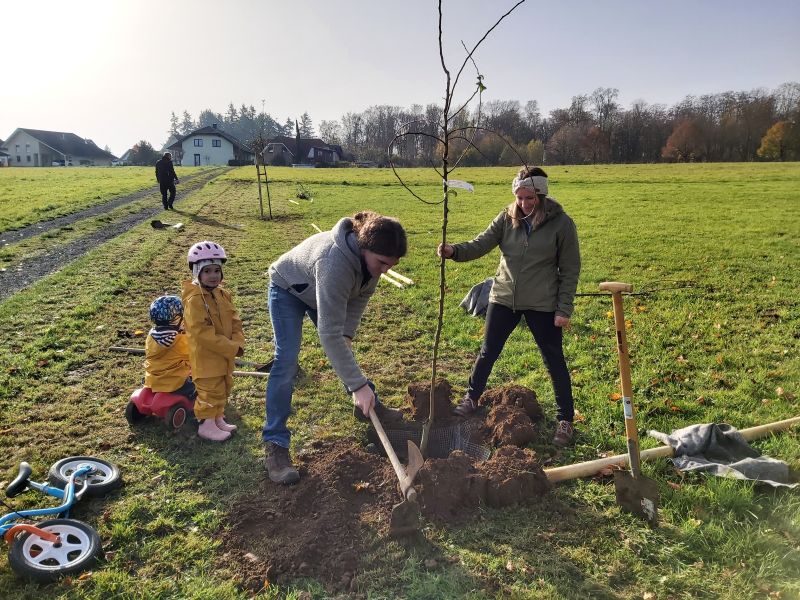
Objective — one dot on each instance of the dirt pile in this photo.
(451, 488)
(317, 528)
(320, 527)
(419, 399)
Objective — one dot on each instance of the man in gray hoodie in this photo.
(330, 277)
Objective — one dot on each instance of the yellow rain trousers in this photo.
(215, 336)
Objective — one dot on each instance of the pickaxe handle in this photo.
(406, 479)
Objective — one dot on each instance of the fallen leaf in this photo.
(673, 485)
(509, 566)
(649, 596)
(615, 396)
(779, 391)
(138, 333)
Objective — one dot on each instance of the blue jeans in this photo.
(286, 312)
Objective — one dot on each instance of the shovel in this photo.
(636, 493)
(405, 515)
(156, 224)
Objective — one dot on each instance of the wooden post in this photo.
(260, 200)
(269, 201)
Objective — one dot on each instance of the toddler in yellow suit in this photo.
(166, 364)
(215, 338)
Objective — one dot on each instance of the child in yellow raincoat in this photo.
(215, 338)
(166, 364)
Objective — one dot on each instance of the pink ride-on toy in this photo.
(175, 409)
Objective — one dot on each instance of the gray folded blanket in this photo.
(477, 299)
(721, 450)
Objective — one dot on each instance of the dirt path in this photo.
(18, 235)
(28, 271)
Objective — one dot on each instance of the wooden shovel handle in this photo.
(616, 288)
(405, 485)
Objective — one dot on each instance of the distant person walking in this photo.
(166, 177)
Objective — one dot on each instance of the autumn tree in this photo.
(781, 142)
(685, 144)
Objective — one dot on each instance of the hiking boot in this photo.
(564, 434)
(466, 407)
(279, 466)
(384, 413)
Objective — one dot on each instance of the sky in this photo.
(114, 70)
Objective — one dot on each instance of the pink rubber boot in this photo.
(221, 424)
(208, 430)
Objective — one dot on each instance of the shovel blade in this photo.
(405, 519)
(637, 495)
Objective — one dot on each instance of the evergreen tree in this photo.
(187, 125)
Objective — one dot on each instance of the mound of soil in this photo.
(419, 399)
(317, 528)
(513, 395)
(342, 505)
(510, 425)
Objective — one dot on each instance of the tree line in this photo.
(728, 126)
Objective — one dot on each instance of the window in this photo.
(28, 158)
(27, 148)
(17, 147)
(216, 143)
(19, 159)
(198, 142)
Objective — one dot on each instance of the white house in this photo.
(39, 148)
(3, 155)
(209, 146)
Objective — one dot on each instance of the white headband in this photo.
(537, 183)
(198, 266)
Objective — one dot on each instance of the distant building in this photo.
(123, 160)
(209, 146)
(282, 150)
(3, 155)
(39, 148)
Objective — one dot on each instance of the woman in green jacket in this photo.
(536, 279)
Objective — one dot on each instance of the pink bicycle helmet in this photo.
(206, 250)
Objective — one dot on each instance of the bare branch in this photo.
(485, 35)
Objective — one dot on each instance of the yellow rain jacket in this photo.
(214, 330)
(166, 367)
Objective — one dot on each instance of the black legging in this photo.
(500, 322)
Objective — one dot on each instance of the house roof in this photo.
(67, 143)
(210, 130)
(291, 142)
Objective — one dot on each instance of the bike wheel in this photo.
(132, 414)
(176, 417)
(36, 559)
(105, 478)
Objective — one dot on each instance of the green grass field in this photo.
(717, 340)
(31, 195)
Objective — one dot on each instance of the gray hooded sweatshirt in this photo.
(325, 273)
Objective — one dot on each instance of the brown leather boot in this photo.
(279, 466)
